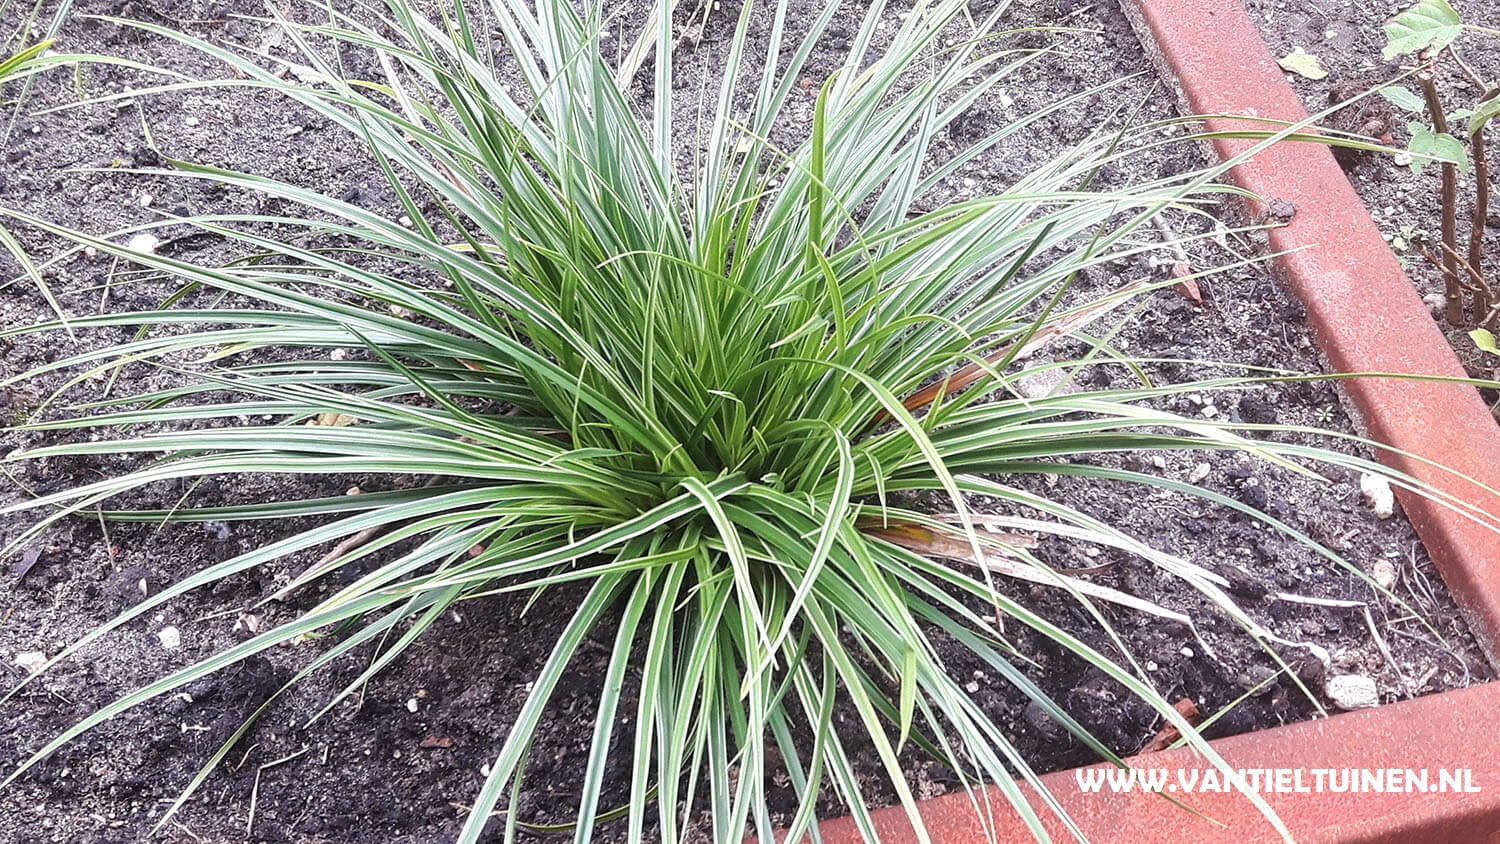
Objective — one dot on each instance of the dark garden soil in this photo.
(1347, 37)
(401, 761)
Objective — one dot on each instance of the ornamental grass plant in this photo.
(705, 387)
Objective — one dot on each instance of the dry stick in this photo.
(1481, 208)
(1478, 286)
(255, 789)
(1492, 319)
(1452, 293)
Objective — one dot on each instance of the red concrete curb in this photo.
(1365, 313)
(1437, 732)
(1367, 317)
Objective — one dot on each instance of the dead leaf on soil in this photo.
(334, 420)
(929, 542)
(1186, 285)
(1303, 64)
(1169, 734)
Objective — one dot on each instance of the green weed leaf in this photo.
(1483, 114)
(1429, 25)
(1484, 341)
(1435, 146)
(1403, 98)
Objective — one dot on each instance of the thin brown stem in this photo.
(1477, 285)
(1481, 206)
(1452, 292)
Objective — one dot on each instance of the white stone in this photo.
(1352, 691)
(1378, 494)
(144, 243)
(1383, 572)
(171, 638)
(32, 661)
(411, 704)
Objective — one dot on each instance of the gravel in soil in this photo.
(401, 760)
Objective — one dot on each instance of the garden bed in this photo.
(402, 764)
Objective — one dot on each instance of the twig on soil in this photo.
(255, 789)
(109, 545)
(339, 550)
(191, 834)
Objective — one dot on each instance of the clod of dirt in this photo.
(1257, 679)
(1372, 117)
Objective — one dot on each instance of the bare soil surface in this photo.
(401, 762)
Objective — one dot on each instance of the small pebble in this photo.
(1199, 473)
(32, 661)
(170, 637)
(1352, 691)
(1383, 572)
(411, 704)
(1435, 303)
(145, 200)
(1377, 493)
(144, 243)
